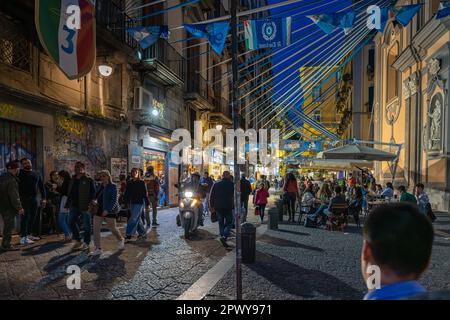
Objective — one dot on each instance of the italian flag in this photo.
(251, 42)
(73, 50)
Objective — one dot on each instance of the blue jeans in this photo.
(74, 217)
(63, 221)
(319, 212)
(135, 221)
(225, 219)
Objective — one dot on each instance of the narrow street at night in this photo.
(221, 158)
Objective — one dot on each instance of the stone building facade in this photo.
(411, 101)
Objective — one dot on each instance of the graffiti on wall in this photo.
(17, 141)
(9, 111)
(78, 141)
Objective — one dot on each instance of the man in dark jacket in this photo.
(246, 190)
(10, 204)
(81, 194)
(30, 184)
(221, 200)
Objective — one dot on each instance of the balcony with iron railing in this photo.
(166, 62)
(112, 18)
(197, 91)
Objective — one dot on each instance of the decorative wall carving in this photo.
(392, 112)
(410, 86)
(436, 101)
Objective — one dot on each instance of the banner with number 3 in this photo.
(66, 29)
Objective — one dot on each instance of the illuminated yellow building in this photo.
(411, 100)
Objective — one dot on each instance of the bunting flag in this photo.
(444, 10)
(146, 36)
(215, 32)
(404, 14)
(72, 49)
(268, 33)
(329, 22)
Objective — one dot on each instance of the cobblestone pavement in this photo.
(162, 267)
(303, 263)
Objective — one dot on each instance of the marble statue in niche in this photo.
(435, 118)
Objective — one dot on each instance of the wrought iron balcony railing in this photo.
(111, 17)
(168, 55)
(197, 84)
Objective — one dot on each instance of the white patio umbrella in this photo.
(357, 152)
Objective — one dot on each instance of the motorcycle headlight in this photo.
(181, 204)
(194, 202)
(188, 194)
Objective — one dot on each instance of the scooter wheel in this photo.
(187, 227)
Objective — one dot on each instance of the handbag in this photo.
(430, 213)
(257, 211)
(213, 215)
(93, 207)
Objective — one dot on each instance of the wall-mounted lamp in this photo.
(105, 68)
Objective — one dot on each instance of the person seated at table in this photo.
(324, 212)
(308, 200)
(406, 196)
(388, 192)
(356, 203)
(378, 189)
(325, 195)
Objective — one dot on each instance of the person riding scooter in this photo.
(199, 191)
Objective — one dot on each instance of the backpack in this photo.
(430, 213)
(152, 186)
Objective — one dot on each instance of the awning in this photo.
(357, 152)
(331, 164)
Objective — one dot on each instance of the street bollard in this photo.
(273, 219)
(280, 207)
(248, 238)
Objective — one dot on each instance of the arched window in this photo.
(392, 73)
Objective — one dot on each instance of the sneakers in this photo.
(96, 252)
(77, 246)
(26, 241)
(33, 238)
(142, 237)
(128, 239)
(224, 242)
(155, 224)
(121, 244)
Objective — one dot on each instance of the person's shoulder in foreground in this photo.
(397, 246)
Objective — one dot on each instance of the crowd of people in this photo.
(397, 236)
(304, 195)
(77, 205)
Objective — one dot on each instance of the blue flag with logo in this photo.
(444, 10)
(268, 33)
(215, 32)
(146, 36)
(404, 14)
(329, 22)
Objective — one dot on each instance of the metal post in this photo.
(234, 103)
